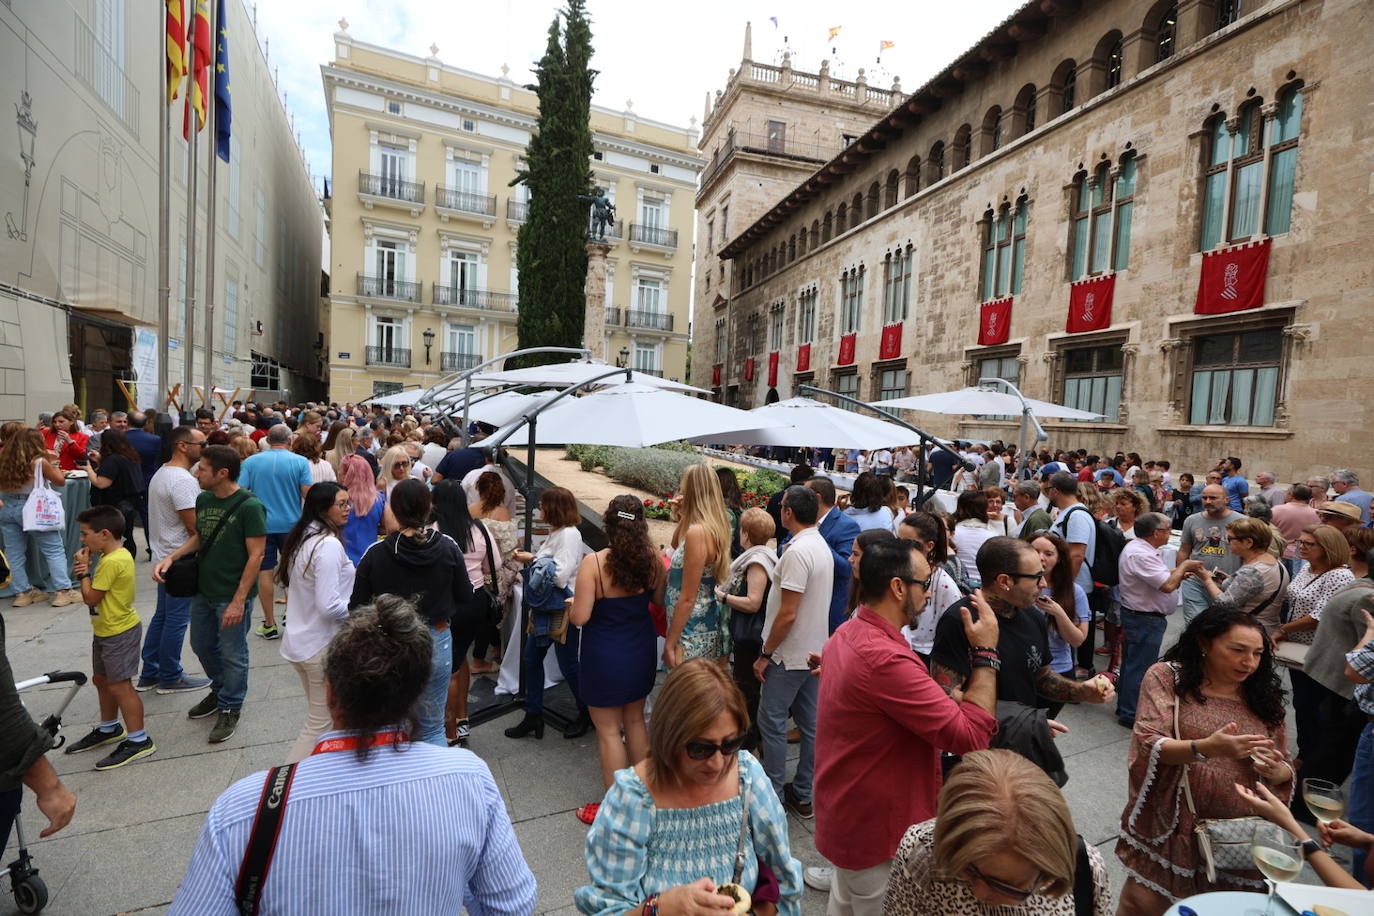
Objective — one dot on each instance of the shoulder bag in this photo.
(43, 510)
(182, 577)
(1222, 842)
(487, 599)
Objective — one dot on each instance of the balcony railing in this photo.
(387, 288)
(100, 71)
(452, 362)
(388, 356)
(394, 188)
(469, 298)
(454, 199)
(653, 235)
(517, 211)
(771, 145)
(658, 321)
(612, 316)
(655, 372)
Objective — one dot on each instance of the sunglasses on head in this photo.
(704, 750)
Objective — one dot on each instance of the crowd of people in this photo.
(918, 653)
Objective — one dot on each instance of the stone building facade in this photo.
(424, 222)
(1094, 147)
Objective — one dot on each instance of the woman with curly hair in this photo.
(611, 605)
(1219, 684)
(22, 452)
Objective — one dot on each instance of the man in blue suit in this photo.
(839, 531)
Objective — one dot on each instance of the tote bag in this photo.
(43, 509)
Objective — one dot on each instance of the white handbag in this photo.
(43, 510)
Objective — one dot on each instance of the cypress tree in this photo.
(552, 255)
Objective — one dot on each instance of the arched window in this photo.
(872, 203)
(1004, 250)
(1108, 55)
(935, 163)
(1216, 158)
(1283, 160)
(801, 241)
(856, 210)
(896, 285)
(992, 130)
(1064, 79)
(913, 175)
(816, 231)
(828, 227)
(962, 147)
(1070, 89)
(1247, 169)
(890, 189)
(841, 219)
(1228, 11)
(1100, 214)
(1114, 56)
(1023, 110)
(1165, 30)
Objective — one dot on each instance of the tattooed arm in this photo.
(1059, 689)
(945, 676)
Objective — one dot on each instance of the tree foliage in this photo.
(552, 256)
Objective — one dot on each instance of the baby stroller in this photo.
(30, 893)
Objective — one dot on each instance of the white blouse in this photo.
(317, 599)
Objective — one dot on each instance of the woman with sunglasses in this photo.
(668, 830)
(1003, 837)
(395, 468)
(317, 577)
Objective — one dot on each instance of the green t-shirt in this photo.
(222, 566)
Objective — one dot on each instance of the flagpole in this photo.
(210, 233)
(164, 209)
(193, 169)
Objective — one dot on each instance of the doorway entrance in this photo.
(101, 353)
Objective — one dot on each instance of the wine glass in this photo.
(1324, 799)
(1277, 854)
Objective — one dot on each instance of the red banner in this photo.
(804, 358)
(715, 376)
(891, 345)
(1232, 279)
(772, 370)
(1090, 304)
(749, 369)
(994, 322)
(847, 343)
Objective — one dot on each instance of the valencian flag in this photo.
(1232, 279)
(847, 344)
(804, 358)
(176, 47)
(223, 114)
(994, 322)
(890, 346)
(200, 88)
(834, 30)
(1090, 304)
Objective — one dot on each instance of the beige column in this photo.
(594, 320)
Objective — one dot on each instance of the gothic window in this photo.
(1004, 251)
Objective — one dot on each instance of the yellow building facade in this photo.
(424, 222)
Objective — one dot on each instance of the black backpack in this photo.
(1107, 548)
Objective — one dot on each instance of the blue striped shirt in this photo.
(416, 831)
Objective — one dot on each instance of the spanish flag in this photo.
(834, 30)
(200, 84)
(884, 45)
(176, 47)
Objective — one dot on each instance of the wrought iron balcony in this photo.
(612, 316)
(452, 362)
(469, 298)
(657, 321)
(517, 211)
(653, 235)
(388, 356)
(467, 202)
(394, 188)
(388, 288)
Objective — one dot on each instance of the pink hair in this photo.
(356, 476)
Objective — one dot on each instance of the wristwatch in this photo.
(1309, 847)
(767, 655)
(1197, 753)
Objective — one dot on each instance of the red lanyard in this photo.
(350, 742)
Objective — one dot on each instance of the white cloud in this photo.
(664, 57)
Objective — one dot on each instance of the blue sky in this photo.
(663, 57)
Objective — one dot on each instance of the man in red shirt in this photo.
(882, 722)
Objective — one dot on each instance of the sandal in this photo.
(587, 813)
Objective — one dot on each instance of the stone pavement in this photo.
(135, 827)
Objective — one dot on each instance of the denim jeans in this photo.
(16, 541)
(430, 709)
(784, 692)
(1359, 811)
(567, 655)
(162, 643)
(223, 651)
(1195, 599)
(1144, 635)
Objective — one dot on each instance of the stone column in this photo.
(594, 321)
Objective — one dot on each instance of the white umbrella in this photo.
(406, 398)
(500, 409)
(562, 375)
(803, 421)
(983, 401)
(632, 415)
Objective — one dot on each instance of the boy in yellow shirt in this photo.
(115, 647)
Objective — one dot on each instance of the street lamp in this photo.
(624, 358)
(429, 342)
(28, 132)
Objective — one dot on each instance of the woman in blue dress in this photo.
(611, 605)
(669, 828)
(701, 557)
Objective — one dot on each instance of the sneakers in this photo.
(144, 684)
(225, 725)
(183, 684)
(66, 596)
(95, 739)
(127, 752)
(208, 706)
(818, 879)
(32, 596)
(267, 632)
(798, 807)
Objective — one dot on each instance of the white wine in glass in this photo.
(1324, 799)
(1277, 854)
(1276, 865)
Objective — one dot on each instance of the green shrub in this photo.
(763, 482)
(656, 470)
(589, 457)
(677, 446)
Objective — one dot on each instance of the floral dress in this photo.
(504, 542)
(1157, 844)
(705, 634)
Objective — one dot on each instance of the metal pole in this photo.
(192, 167)
(210, 228)
(1026, 415)
(164, 215)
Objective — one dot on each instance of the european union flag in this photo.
(223, 113)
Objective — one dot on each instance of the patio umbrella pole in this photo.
(1026, 416)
